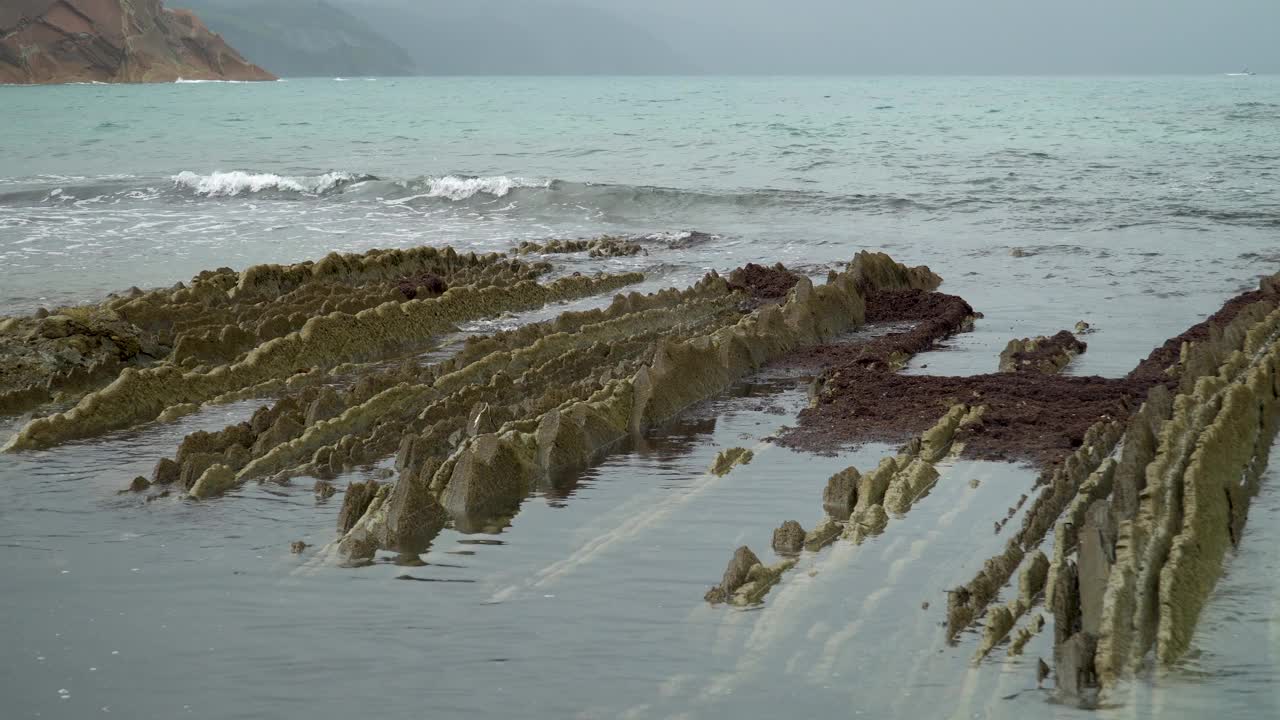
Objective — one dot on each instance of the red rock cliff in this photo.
(52, 41)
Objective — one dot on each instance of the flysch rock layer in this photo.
(1088, 542)
(1146, 509)
(423, 414)
(1193, 478)
(859, 505)
(597, 247)
(1092, 472)
(59, 41)
(331, 324)
(1143, 508)
(219, 317)
(579, 392)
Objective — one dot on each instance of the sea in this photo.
(1135, 204)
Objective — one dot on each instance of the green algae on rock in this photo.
(1046, 355)
(726, 460)
(579, 392)
(1193, 498)
(597, 248)
(379, 324)
(747, 580)
(1143, 526)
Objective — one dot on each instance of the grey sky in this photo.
(942, 36)
(981, 36)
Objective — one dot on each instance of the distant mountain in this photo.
(517, 37)
(57, 41)
(304, 38)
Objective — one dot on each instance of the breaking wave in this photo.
(453, 187)
(552, 200)
(237, 182)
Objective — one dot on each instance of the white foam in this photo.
(236, 182)
(455, 188)
(669, 236)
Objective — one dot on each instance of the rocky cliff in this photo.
(52, 41)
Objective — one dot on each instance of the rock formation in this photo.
(1144, 486)
(58, 41)
(726, 460)
(597, 248)
(1047, 355)
(266, 328)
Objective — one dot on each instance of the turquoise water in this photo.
(1137, 204)
(87, 172)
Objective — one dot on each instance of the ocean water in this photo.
(1137, 204)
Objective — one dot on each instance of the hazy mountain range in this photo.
(302, 38)
(531, 37)
(407, 37)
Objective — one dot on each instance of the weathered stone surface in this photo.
(1045, 355)
(323, 490)
(490, 477)
(840, 496)
(326, 405)
(788, 539)
(935, 442)
(414, 516)
(1073, 665)
(355, 502)
(1032, 580)
(1062, 485)
(360, 542)
(61, 355)
(1182, 494)
(868, 522)
(321, 342)
(823, 534)
(760, 580)
(285, 428)
(735, 575)
(599, 247)
(1024, 635)
(166, 472)
(909, 485)
(999, 622)
(194, 466)
(1066, 603)
(1096, 556)
(482, 419)
(213, 482)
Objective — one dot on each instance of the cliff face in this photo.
(52, 41)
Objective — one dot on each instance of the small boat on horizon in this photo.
(1243, 73)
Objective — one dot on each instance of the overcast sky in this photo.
(955, 36)
(1001, 36)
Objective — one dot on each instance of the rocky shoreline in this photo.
(1144, 480)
